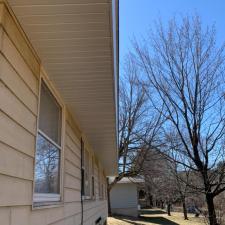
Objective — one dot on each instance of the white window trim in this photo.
(92, 177)
(49, 139)
(39, 197)
(50, 198)
(87, 197)
(99, 183)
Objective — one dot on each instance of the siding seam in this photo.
(15, 70)
(63, 219)
(74, 144)
(72, 175)
(18, 98)
(72, 138)
(18, 123)
(73, 153)
(68, 160)
(20, 178)
(15, 149)
(70, 188)
(70, 149)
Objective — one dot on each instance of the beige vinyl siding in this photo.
(14, 135)
(15, 191)
(15, 76)
(22, 164)
(13, 108)
(18, 119)
(18, 64)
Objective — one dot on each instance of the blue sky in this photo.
(137, 16)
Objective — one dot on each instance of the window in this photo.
(48, 148)
(86, 179)
(105, 186)
(87, 174)
(82, 167)
(106, 189)
(93, 178)
(100, 184)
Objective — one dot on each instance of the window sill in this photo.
(88, 199)
(46, 205)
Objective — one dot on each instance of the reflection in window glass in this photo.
(87, 174)
(46, 167)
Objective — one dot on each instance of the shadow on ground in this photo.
(158, 220)
(152, 212)
(148, 216)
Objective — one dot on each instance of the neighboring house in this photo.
(58, 110)
(124, 197)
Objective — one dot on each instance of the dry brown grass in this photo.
(156, 217)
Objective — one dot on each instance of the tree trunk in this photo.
(211, 209)
(162, 204)
(184, 209)
(169, 209)
(150, 201)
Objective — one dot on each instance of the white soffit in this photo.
(74, 40)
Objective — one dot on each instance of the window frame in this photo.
(84, 151)
(91, 173)
(93, 191)
(100, 183)
(46, 199)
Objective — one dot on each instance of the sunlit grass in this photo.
(157, 217)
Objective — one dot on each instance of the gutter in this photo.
(115, 43)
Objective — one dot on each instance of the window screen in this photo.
(87, 173)
(50, 115)
(48, 144)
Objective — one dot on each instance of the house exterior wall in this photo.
(124, 199)
(19, 96)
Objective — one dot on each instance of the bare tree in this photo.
(138, 124)
(159, 180)
(164, 181)
(184, 65)
(182, 181)
(181, 174)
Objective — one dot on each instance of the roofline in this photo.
(113, 6)
(115, 45)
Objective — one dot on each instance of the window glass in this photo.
(82, 169)
(93, 186)
(93, 177)
(87, 173)
(46, 167)
(48, 147)
(50, 115)
(99, 183)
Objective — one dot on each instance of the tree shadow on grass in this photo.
(157, 220)
(151, 212)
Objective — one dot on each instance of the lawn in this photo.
(156, 217)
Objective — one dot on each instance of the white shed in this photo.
(124, 197)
